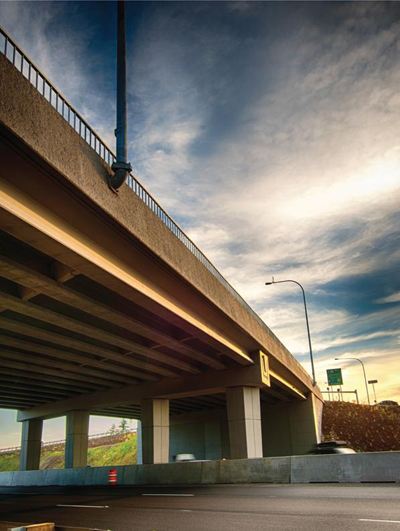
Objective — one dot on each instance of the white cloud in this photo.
(395, 297)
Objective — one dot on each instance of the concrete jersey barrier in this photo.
(348, 468)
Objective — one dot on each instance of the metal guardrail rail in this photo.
(32, 73)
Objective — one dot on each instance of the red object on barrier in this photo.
(112, 476)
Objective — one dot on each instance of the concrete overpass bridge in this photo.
(108, 308)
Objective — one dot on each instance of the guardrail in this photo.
(12, 449)
(31, 72)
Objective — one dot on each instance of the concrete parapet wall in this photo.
(351, 468)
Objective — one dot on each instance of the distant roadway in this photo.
(258, 507)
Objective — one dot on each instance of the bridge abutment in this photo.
(291, 428)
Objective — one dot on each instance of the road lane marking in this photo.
(384, 521)
(186, 511)
(171, 495)
(84, 506)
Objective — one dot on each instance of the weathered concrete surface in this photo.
(31, 440)
(244, 419)
(29, 116)
(76, 444)
(351, 468)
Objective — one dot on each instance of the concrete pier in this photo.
(31, 441)
(76, 444)
(244, 419)
(155, 430)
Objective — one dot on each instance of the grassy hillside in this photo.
(114, 450)
(365, 428)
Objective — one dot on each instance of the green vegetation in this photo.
(117, 449)
(122, 453)
(9, 462)
(364, 428)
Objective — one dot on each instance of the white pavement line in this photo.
(186, 511)
(84, 506)
(174, 495)
(384, 521)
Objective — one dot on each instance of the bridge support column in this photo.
(155, 430)
(76, 444)
(244, 421)
(139, 448)
(31, 441)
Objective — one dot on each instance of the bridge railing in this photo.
(31, 72)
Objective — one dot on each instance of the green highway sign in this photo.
(334, 376)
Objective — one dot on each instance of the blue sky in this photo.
(269, 131)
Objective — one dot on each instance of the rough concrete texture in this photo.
(291, 428)
(76, 444)
(351, 468)
(31, 118)
(31, 440)
(244, 419)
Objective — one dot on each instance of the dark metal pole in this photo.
(121, 167)
(120, 132)
(308, 326)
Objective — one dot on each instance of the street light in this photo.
(308, 326)
(365, 377)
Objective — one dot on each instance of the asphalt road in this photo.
(218, 508)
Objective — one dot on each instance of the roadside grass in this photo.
(118, 453)
(122, 453)
(9, 462)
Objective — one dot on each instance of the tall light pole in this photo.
(365, 377)
(121, 167)
(308, 326)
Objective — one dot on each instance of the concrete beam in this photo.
(103, 379)
(83, 346)
(44, 381)
(14, 304)
(92, 383)
(84, 361)
(210, 382)
(31, 441)
(35, 282)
